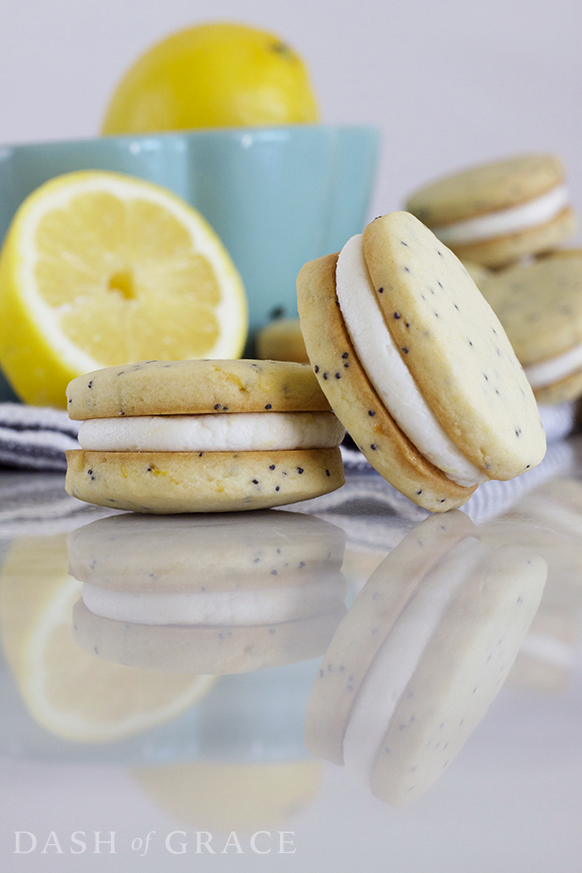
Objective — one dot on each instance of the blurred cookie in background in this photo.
(498, 212)
(539, 304)
(282, 340)
(477, 272)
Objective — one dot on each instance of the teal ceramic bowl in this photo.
(277, 197)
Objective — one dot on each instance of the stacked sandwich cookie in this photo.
(416, 364)
(495, 213)
(202, 436)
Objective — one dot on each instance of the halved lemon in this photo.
(100, 269)
(72, 694)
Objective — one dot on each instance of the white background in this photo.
(450, 83)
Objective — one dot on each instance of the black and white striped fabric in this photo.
(36, 504)
(35, 438)
(559, 421)
(367, 493)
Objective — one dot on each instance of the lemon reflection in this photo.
(68, 692)
(221, 797)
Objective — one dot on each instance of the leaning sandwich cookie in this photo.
(498, 212)
(202, 436)
(415, 664)
(416, 365)
(540, 306)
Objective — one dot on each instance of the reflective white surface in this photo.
(228, 754)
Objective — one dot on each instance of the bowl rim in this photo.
(242, 134)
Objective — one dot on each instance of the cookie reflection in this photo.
(548, 520)
(422, 653)
(212, 594)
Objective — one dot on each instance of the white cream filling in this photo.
(396, 662)
(548, 372)
(225, 432)
(517, 218)
(218, 608)
(387, 371)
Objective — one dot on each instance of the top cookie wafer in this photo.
(454, 346)
(195, 387)
(486, 188)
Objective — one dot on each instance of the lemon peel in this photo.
(218, 74)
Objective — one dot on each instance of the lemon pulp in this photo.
(100, 269)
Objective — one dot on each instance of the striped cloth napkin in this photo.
(35, 438)
(368, 494)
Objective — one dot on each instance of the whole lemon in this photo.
(213, 75)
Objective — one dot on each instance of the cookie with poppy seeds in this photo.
(202, 436)
(540, 306)
(496, 213)
(416, 365)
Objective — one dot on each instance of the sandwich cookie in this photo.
(209, 594)
(202, 436)
(498, 212)
(416, 365)
(421, 655)
(540, 306)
